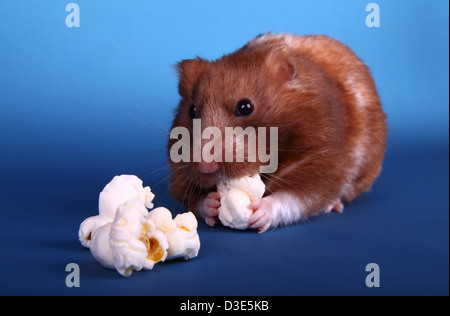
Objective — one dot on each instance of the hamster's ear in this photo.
(189, 71)
(281, 65)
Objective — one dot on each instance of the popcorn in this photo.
(134, 240)
(118, 191)
(186, 221)
(121, 189)
(162, 218)
(88, 226)
(181, 232)
(235, 197)
(183, 239)
(130, 238)
(100, 248)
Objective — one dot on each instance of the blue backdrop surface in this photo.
(80, 105)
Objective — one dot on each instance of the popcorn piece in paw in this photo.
(100, 248)
(87, 228)
(121, 189)
(234, 211)
(134, 240)
(252, 185)
(235, 197)
(184, 241)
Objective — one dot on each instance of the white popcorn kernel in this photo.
(252, 185)
(100, 248)
(121, 189)
(162, 218)
(235, 197)
(186, 220)
(135, 242)
(127, 237)
(184, 241)
(156, 244)
(181, 232)
(88, 226)
(234, 211)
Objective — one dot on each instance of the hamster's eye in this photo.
(244, 107)
(192, 111)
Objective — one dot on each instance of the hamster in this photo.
(331, 126)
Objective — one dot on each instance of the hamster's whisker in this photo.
(164, 194)
(185, 191)
(152, 151)
(157, 123)
(302, 151)
(192, 191)
(166, 167)
(281, 182)
(170, 107)
(164, 177)
(147, 125)
(161, 180)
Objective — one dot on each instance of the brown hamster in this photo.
(321, 97)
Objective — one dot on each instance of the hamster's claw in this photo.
(261, 219)
(337, 207)
(210, 208)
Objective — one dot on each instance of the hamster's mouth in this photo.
(210, 179)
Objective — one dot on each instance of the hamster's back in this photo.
(367, 131)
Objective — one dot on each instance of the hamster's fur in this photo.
(331, 126)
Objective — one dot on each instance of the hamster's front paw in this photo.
(261, 218)
(210, 208)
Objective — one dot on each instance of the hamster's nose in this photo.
(208, 167)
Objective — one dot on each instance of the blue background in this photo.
(80, 105)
